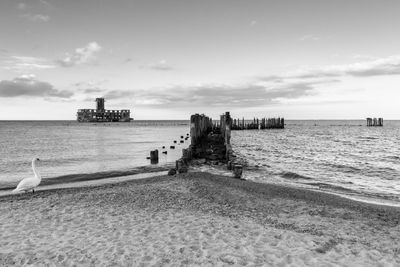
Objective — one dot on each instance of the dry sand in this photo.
(195, 219)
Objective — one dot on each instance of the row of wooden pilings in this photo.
(257, 124)
(154, 153)
(374, 122)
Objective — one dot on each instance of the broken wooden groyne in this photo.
(374, 122)
(210, 141)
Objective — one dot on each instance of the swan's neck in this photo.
(37, 174)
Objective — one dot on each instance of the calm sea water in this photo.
(344, 157)
(66, 147)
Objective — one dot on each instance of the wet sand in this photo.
(195, 219)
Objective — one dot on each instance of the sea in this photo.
(340, 157)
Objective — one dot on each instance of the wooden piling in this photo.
(154, 156)
(374, 122)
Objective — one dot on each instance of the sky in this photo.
(167, 59)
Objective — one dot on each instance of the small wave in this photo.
(344, 168)
(293, 175)
(367, 138)
(331, 187)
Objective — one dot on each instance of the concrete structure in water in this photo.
(100, 114)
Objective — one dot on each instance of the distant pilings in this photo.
(371, 122)
(258, 124)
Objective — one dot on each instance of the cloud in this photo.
(261, 91)
(28, 85)
(253, 23)
(127, 60)
(220, 95)
(89, 87)
(22, 6)
(309, 37)
(82, 55)
(36, 17)
(162, 65)
(93, 90)
(25, 63)
(377, 67)
(45, 3)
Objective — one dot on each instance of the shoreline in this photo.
(96, 176)
(252, 187)
(149, 172)
(195, 218)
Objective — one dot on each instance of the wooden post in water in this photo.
(193, 130)
(154, 156)
(374, 122)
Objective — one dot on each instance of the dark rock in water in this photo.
(172, 172)
(181, 136)
(182, 141)
(172, 147)
(174, 141)
(163, 147)
(147, 157)
(164, 152)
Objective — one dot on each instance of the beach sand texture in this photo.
(195, 219)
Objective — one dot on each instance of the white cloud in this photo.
(364, 57)
(309, 37)
(255, 93)
(253, 23)
(261, 91)
(28, 85)
(378, 67)
(45, 3)
(36, 17)
(81, 55)
(89, 87)
(25, 63)
(22, 6)
(161, 65)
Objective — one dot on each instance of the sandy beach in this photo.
(195, 219)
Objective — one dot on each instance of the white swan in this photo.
(30, 183)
